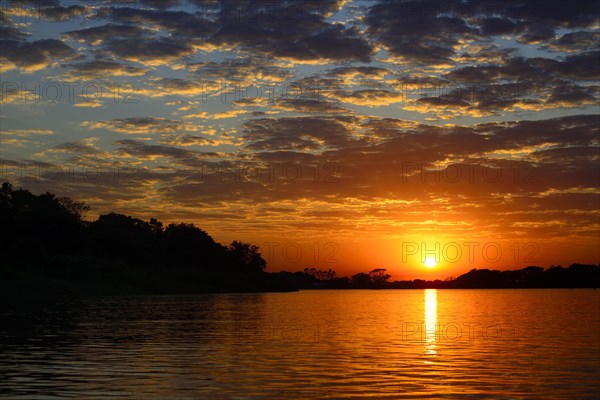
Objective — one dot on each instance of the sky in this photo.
(342, 134)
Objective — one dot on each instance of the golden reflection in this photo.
(430, 323)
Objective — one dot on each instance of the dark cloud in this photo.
(359, 72)
(408, 36)
(498, 26)
(177, 87)
(33, 55)
(572, 95)
(578, 67)
(258, 10)
(34, 3)
(178, 23)
(102, 69)
(60, 13)
(307, 37)
(81, 147)
(141, 125)
(371, 97)
(149, 51)
(581, 66)
(574, 42)
(11, 33)
(528, 83)
(98, 34)
(162, 4)
(574, 14)
(301, 134)
(251, 69)
(568, 155)
(141, 150)
(308, 106)
(185, 140)
(533, 33)
(428, 32)
(567, 131)
(246, 23)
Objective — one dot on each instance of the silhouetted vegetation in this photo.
(47, 246)
(575, 276)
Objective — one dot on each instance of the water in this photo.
(501, 344)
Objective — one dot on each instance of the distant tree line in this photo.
(575, 276)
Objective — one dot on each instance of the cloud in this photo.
(432, 33)
(27, 132)
(308, 106)
(298, 134)
(160, 87)
(9, 31)
(215, 116)
(102, 69)
(162, 4)
(32, 56)
(99, 34)
(149, 51)
(185, 140)
(85, 147)
(409, 36)
(370, 97)
(85, 152)
(177, 23)
(141, 125)
(517, 83)
(143, 151)
(21, 138)
(247, 70)
(308, 38)
(574, 42)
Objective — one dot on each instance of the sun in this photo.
(430, 262)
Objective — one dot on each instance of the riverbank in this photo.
(105, 278)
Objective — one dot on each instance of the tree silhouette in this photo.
(35, 227)
(319, 274)
(192, 247)
(76, 208)
(247, 255)
(360, 280)
(378, 276)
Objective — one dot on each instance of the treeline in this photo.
(575, 276)
(313, 278)
(45, 237)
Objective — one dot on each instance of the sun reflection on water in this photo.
(430, 323)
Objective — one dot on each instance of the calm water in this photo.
(502, 344)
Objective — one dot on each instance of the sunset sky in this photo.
(343, 134)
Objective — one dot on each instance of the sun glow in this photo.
(430, 262)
